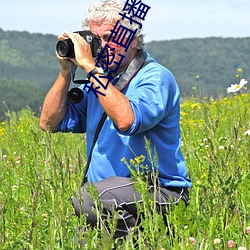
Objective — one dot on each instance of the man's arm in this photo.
(55, 103)
(115, 104)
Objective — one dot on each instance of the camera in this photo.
(65, 48)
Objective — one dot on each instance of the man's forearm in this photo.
(55, 103)
(117, 106)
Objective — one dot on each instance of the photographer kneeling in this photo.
(140, 98)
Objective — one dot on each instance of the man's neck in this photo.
(121, 69)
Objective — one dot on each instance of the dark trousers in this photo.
(119, 194)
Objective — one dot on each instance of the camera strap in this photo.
(136, 64)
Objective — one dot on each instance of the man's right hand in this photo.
(66, 63)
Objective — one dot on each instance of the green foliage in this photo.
(28, 68)
(14, 95)
(36, 184)
(40, 172)
(28, 58)
(208, 62)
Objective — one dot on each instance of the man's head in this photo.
(107, 11)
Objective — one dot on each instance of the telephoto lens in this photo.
(65, 48)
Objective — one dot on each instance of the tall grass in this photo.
(40, 172)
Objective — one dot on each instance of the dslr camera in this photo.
(65, 48)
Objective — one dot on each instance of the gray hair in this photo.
(109, 10)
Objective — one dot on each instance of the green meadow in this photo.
(40, 172)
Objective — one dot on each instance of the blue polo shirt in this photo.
(154, 97)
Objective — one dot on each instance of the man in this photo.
(145, 107)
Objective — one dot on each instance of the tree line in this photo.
(202, 67)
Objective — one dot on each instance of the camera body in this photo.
(65, 48)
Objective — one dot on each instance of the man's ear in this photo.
(134, 42)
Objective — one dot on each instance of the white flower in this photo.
(192, 240)
(217, 241)
(22, 210)
(237, 87)
(247, 133)
(242, 248)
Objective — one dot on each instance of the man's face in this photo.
(103, 31)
